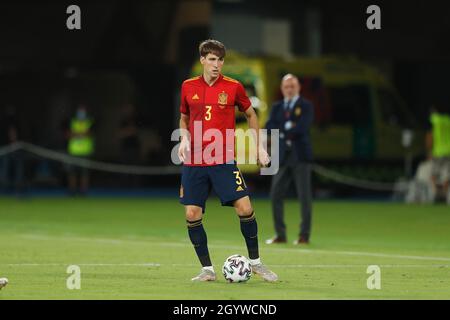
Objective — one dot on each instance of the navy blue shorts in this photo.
(225, 179)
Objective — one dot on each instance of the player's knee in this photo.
(193, 214)
(244, 209)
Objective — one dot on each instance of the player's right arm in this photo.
(185, 144)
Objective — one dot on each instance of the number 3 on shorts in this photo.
(238, 177)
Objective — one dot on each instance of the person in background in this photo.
(431, 182)
(11, 164)
(81, 145)
(438, 141)
(438, 149)
(293, 116)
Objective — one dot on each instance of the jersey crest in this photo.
(223, 98)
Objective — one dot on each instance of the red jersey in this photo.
(212, 110)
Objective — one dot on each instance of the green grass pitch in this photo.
(139, 249)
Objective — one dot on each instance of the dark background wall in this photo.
(138, 52)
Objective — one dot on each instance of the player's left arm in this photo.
(244, 104)
(252, 120)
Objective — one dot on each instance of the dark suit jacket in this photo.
(302, 116)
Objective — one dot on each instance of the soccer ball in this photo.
(3, 282)
(237, 268)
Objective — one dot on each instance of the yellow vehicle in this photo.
(358, 114)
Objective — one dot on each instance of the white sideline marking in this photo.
(186, 244)
(83, 264)
(218, 266)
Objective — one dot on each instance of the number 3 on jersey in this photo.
(208, 113)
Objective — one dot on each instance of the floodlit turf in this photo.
(139, 249)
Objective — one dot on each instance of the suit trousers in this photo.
(299, 173)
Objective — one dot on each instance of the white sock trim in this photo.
(211, 268)
(255, 261)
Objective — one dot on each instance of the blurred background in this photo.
(108, 94)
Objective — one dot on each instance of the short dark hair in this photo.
(212, 46)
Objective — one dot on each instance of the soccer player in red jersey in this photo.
(208, 110)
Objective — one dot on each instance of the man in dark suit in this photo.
(293, 116)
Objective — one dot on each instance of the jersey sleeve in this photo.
(184, 107)
(242, 101)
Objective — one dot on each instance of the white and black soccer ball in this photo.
(237, 268)
(3, 282)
